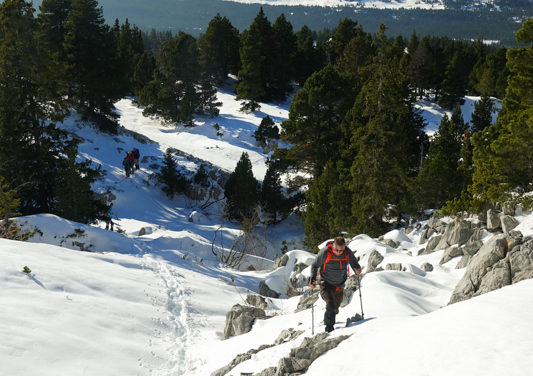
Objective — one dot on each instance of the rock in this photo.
(423, 236)
(142, 231)
(280, 261)
(463, 263)
(394, 266)
(301, 357)
(493, 220)
(298, 268)
(518, 210)
(351, 286)
(374, 260)
(357, 317)
(432, 245)
(307, 300)
(458, 232)
(508, 223)
(498, 276)
(436, 224)
(267, 291)
(256, 301)
(196, 217)
(287, 335)
(508, 209)
(240, 319)
(391, 243)
(427, 267)
(521, 262)
(450, 253)
(471, 248)
(490, 253)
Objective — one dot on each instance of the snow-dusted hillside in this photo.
(377, 4)
(156, 303)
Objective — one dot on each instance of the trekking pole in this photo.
(313, 319)
(360, 297)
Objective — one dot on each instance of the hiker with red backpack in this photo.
(128, 163)
(332, 263)
(107, 217)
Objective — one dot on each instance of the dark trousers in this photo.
(332, 295)
(108, 223)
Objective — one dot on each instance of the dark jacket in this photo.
(335, 270)
(136, 153)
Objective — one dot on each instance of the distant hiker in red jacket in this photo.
(332, 263)
(128, 163)
(136, 156)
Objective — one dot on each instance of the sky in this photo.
(156, 304)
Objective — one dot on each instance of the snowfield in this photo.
(377, 4)
(119, 303)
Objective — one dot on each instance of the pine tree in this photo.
(177, 91)
(257, 46)
(272, 200)
(489, 75)
(267, 130)
(74, 198)
(482, 115)
(219, 49)
(52, 18)
(315, 117)
(91, 54)
(282, 58)
(144, 71)
(439, 180)
(503, 151)
(241, 190)
(31, 99)
(8, 201)
(308, 58)
(173, 182)
(384, 148)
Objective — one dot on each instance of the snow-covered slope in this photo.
(156, 304)
(378, 4)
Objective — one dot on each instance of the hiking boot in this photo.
(329, 329)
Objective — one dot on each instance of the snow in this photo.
(377, 4)
(433, 113)
(156, 304)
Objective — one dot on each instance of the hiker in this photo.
(127, 162)
(333, 264)
(107, 217)
(136, 156)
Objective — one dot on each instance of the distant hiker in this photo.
(107, 217)
(136, 156)
(127, 162)
(333, 265)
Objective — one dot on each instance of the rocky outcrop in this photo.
(285, 336)
(495, 266)
(240, 319)
(508, 223)
(432, 245)
(391, 243)
(301, 357)
(256, 301)
(265, 290)
(351, 286)
(450, 253)
(307, 300)
(394, 266)
(374, 260)
(493, 220)
(280, 261)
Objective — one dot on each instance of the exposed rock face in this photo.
(280, 261)
(307, 300)
(490, 254)
(374, 260)
(450, 253)
(256, 301)
(240, 319)
(300, 358)
(351, 286)
(391, 243)
(463, 263)
(285, 336)
(457, 232)
(267, 291)
(521, 261)
(493, 220)
(432, 245)
(508, 223)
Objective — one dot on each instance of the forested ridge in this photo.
(352, 125)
